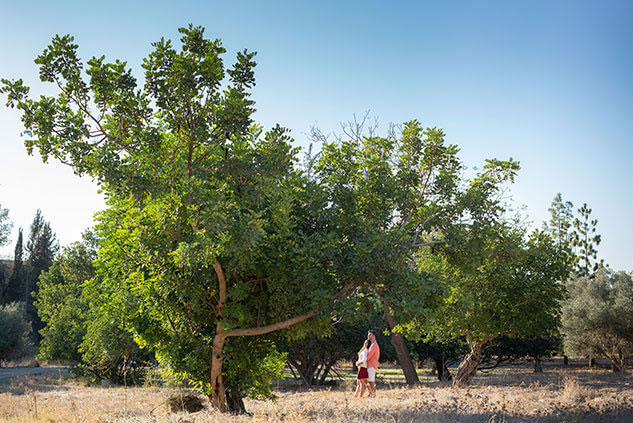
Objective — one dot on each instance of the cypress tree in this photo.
(41, 248)
(16, 288)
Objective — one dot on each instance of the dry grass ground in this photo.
(510, 394)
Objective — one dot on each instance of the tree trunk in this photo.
(324, 375)
(218, 390)
(468, 367)
(565, 360)
(537, 365)
(442, 369)
(617, 363)
(592, 362)
(235, 403)
(404, 358)
(402, 352)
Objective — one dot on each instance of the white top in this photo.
(362, 358)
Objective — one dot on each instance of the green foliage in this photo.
(41, 248)
(390, 196)
(560, 226)
(75, 328)
(194, 190)
(14, 330)
(515, 289)
(60, 302)
(585, 240)
(597, 318)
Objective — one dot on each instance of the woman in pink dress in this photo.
(362, 375)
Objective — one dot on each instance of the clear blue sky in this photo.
(548, 83)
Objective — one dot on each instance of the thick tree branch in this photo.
(221, 286)
(270, 328)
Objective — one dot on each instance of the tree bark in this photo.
(218, 391)
(468, 367)
(565, 360)
(404, 358)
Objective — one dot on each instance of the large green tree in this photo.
(211, 238)
(390, 196)
(510, 285)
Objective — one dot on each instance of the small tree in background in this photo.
(441, 352)
(560, 227)
(506, 348)
(508, 286)
(585, 240)
(5, 231)
(68, 302)
(597, 318)
(14, 330)
(41, 248)
(16, 286)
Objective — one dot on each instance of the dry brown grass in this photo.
(506, 395)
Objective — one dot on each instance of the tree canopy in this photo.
(210, 233)
(597, 319)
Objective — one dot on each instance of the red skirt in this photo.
(362, 373)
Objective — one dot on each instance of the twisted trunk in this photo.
(468, 367)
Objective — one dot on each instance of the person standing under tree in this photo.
(362, 370)
(373, 355)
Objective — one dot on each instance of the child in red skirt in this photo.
(362, 375)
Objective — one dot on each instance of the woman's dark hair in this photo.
(367, 343)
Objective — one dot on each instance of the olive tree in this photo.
(597, 317)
